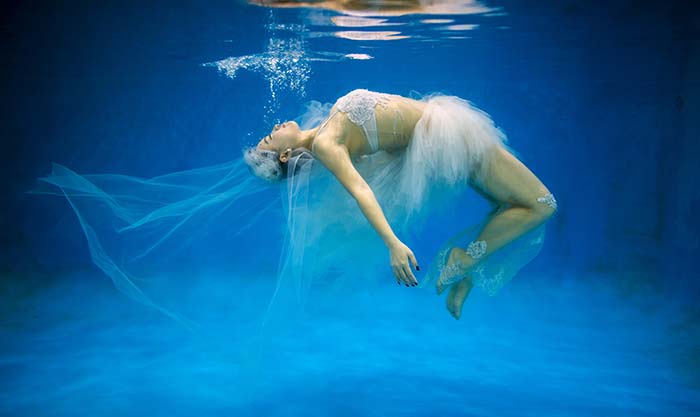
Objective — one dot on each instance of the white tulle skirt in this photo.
(451, 149)
(451, 146)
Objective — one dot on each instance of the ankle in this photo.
(462, 260)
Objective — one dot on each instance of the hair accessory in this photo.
(264, 164)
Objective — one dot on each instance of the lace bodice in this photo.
(359, 105)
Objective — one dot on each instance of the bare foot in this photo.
(457, 262)
(455, 298)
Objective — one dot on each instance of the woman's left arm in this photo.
(337, 159)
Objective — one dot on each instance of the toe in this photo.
(453, 312)
(456, 312)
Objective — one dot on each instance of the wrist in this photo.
(392, 242)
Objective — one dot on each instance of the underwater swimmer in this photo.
(441, 138)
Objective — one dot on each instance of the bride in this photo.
(357, 178)
(436, 140)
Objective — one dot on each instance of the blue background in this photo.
(601, 101)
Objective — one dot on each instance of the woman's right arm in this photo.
(337, 159)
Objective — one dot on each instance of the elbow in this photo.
(363, 197)
(362, 193)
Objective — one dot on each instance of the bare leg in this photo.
(509, 183)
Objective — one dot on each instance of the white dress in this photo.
(447, 151)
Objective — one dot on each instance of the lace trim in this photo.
(359, 105)
(451, 273)
(477, 249)
(549, 200)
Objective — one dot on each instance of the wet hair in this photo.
(266, 164)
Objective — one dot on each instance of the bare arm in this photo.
(337, 159)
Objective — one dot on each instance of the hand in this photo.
(400, 255)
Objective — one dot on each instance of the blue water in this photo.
(602, 102)
(572, 348)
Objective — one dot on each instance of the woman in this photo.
(384, 160)
(389, 148)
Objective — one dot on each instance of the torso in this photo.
(395, 116)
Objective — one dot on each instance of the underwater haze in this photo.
(601, 101)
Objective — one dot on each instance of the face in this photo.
(282, 137)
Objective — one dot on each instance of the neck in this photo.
(307, 137)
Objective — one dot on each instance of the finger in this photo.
(409, 274)
(397, 273)
(413, 259)
(403, 275)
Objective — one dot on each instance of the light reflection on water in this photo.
(386, 7)
(286, 63)
(405, 16)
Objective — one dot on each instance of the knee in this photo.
(545, 206)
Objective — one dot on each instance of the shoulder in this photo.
(335, 125)
(329, 141)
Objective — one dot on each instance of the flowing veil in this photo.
(172, 242)
(147, 234)
(169, 242)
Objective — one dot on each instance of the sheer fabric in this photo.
(154, 238)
